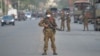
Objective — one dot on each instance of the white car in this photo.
(28, 15)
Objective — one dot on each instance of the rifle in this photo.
(52, 26)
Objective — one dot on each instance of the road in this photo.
(26, 39)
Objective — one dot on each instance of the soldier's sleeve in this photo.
(41, 23)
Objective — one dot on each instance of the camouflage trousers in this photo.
(68, 25)
(49, 34)
(86, 25)
(62, 27)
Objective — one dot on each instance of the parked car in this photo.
(21, 16)
(54, 11)
(28, 15)
(67, 10)
(7, 20)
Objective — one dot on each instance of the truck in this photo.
(79, 8)
(13, 12)
(97, 15)
(54, 11)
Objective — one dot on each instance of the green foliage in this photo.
(29, 2)
(63, 3)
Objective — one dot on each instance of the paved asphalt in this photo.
(26, 39)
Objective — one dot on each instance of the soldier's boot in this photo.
(63, 29)
(68, 30)
(54, 52)
(45, 52)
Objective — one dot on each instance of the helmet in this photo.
(48, 12)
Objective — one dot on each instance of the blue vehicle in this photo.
(7, 20)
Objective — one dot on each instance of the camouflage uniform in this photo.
(68, 22)
(85, 20)
(49, 33)
(62, 27)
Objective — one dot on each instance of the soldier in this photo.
(68, 21)
(49, 32)
(85, 20)
(62, 27)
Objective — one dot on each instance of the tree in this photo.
(25, 3)
(63, 3)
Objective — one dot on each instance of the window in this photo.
(97, 1)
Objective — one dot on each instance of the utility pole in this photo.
(18, 4)
(6, 6)
(93, 9)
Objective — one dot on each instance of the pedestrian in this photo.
(49, 32)
(62, 27)
(68, 20)
(85, 20)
